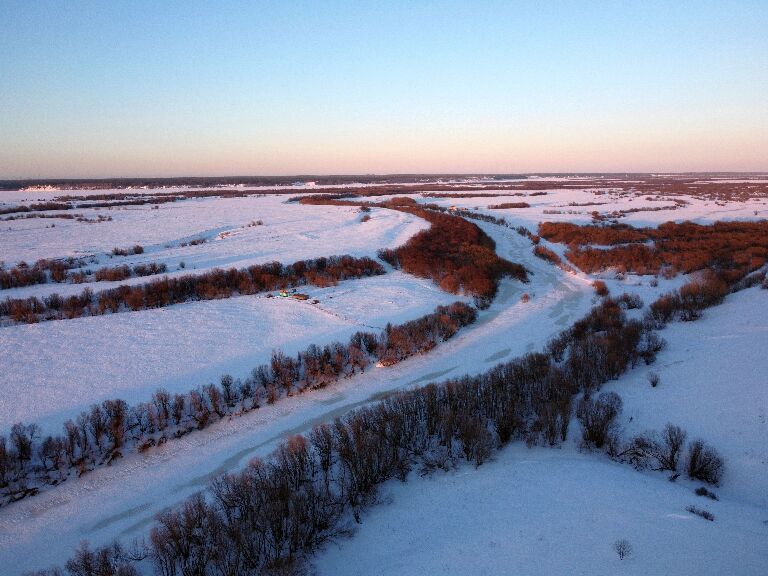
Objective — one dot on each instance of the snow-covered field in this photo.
(559, 511)
(714, 384)
(53, 370)
(544, 512)
(531, 511)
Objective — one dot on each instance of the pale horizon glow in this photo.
(131, 89)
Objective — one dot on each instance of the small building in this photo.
(283, 294)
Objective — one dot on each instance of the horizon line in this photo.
(53, 179)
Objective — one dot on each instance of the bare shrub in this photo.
(597, 418)
(704, 463)
(701, 513)
(672, 442)
(623, 548)
(630, 301)
(601, 289)
(105, 561)
(656, 451)
(650, 345)
(701, 491)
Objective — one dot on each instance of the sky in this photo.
(135, 88)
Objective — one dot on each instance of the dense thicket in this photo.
(107, 430)
(454, 253)
(42, 271)
(568, 233)
(733, 249)
(207, 286)
(687, 303)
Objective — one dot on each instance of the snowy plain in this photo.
(524, 512)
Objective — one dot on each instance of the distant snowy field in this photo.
(557, 511)
(289, 233)
(561, 205)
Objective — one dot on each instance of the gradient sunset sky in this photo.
(133, 88)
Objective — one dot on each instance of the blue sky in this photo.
(92, 89)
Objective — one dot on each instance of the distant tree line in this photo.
(469, 194)
(211, 285)
(61, 271)
(136, 200)
(505, 205)
(79, 217)
(103, 433)
(116, 199)
(123, 272)
(39, 207)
